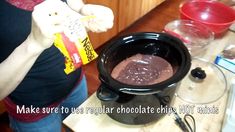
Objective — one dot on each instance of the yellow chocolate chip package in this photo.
(75, 45)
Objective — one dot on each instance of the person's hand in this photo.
(47, 19)
(102, 17)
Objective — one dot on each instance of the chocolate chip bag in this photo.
(74, 44)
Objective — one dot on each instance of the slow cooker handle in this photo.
(138, 91)
(105, 94)
(144, 91)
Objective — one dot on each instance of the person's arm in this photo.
(16, 66)
(46, 21)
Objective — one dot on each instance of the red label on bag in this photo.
(72, 50)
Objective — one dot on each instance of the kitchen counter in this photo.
(211, 121)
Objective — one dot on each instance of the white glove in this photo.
(102, 17)
(47, 19)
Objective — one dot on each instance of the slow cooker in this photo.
(142, 104)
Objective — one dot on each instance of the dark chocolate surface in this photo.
(142, 70)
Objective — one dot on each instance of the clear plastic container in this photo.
(195, 36)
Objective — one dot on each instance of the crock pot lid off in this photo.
(106, 78)
(205, 83)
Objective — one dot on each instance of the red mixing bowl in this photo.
(215, 15)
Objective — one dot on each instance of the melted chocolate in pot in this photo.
(142, 70)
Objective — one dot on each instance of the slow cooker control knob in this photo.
(198, 73)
